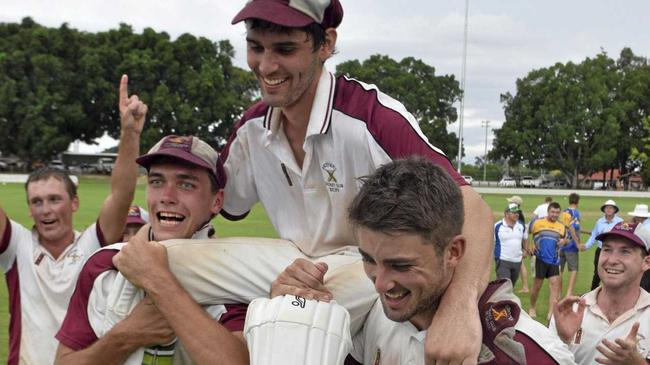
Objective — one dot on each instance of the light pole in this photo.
(486, 124)
(462, 87)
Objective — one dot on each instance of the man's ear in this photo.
(455, 250)
(75, 203)
(329, 44)
(217, 202)
(646, 263)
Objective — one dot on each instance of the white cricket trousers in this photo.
(240, 269)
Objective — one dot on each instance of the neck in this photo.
(609, 217)
(616, 301)
(422, 321)
(56, 248)
(573, 206)
(510, 222)
(296, 115)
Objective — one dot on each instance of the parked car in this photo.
(56, 164)
(507, 182)
(3, 166)
(528, 182)
(469, 179)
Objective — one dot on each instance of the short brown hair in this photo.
(412, 196)
(46, 173)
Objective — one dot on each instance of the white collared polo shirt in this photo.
(507, 241)
(595, 328)
(353, 129)
(40, 288)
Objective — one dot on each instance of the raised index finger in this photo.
(124, 89)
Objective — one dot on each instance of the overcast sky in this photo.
(507, 38)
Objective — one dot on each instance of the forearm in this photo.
(473, 272)
(112, 349)
(206, 341)
(124, 177)
(125, 170)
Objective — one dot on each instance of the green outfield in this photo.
(92, 191)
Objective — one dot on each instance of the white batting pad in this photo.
(292, 330)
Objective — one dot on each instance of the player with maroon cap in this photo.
(184, 192)
(611, 324)
(300, 152)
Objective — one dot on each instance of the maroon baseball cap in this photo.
(635, 232)
(137, 215)
(188, 149)
(293, 13)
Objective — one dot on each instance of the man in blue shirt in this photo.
(604, 224)
(569, 252)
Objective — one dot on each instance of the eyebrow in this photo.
(388, 261)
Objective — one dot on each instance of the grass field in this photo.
(92, 192)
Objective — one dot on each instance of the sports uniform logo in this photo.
(299, 302)
(182, 142)
(497, 315)
(330, 180)
(330, 169)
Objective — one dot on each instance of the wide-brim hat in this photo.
(515, 199)
(609, 202)
(640, 210)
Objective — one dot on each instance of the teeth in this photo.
(170, 215)
(274, 82)
(612, 271)
(394, 295)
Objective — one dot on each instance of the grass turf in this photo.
(93, 190)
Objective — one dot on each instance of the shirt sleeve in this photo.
(240, 193)
(76, 331)
(13, 236)
(234, 317)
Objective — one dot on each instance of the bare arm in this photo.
(446, 340)
(144, 327)
(113, 213)
(207, 341)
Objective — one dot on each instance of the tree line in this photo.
(59, 85)
(580, 118)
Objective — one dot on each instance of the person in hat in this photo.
(137, 218)
(300, 150)
(184, 192)
(510, 239)
(640, 214)
(408, 217)
(42, 262)
(603, 224)
(523, 271)
(611, 324)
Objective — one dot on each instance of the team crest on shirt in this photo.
(330, 179)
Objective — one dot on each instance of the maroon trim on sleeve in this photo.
(351, 361)
(234, 317)
(15, 330)
(76, 332)
(100, 235)
(389, 128)
(6, 237)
